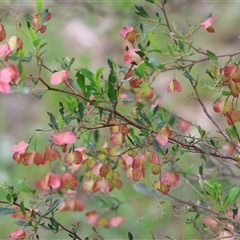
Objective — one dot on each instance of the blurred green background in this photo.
(89, 32)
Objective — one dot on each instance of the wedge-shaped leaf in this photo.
(80, 110)
(9, 197)
(144, 116)
(42, 45)
(142, 188)
(232, 195)
(22, 223)
(25, 188)
(14, 57)
(155, 144)
(152, 39)
(44, 14)
(49, 198)
(112, 92)
(141, 11)
(54, 223)
(140, 70)
(40, 94)
(213, 57)
(89, 75)
(110, 64)
(80, 80)
(109, 118)
(134, 136)
(42, 225)
(6, 211)
(155, 110)
(188, 76)
(139, 122)
(181, 46)
(22, 208)
(130, 236)
(97, 78)
(53, 121)
(56, 204)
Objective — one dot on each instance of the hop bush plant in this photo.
(145, 140)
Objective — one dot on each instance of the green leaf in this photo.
(188, 76)
(212, 143)
(132, 142)
(14, 57)
(28, 58)
(164, 2)
(130, 236)
(141, 27)
(151, 38)
(80, 81)
(156, 146)
(44, 14)
(42, 45)
(20, 67)
(140, 70)
(139, 122)
(144, 116)
(100, 113)
(109, 118)
(23, 89)
(171, 120)
(54, 223)
(40, 94)
(36, 42)
(97, 79)
(42, 225)
(89, 75)
(201, 169)
(232, 195)
(53, 207)
(225, 93)
(32, 34)
(96, 136)
(142, 188)
(141, 11)
(134, 136)
(155, 110)
(213, 57)
(49, 198)
(22, 208)
(22, 223)
(53, 121)
(112, 92)
(25, 188)
(71, 61)
(201, 131)
(204, 148)
(151, 1)
(6, 211)
(207, 85)
(39, 5)
(158, 15)
(80, 110)
(20, 53)
(110, 64)
(9, 198)
(181, 46)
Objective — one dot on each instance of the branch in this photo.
(36, 213)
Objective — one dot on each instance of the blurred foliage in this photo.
(103, 21)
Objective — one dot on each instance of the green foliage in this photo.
(113, 127)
